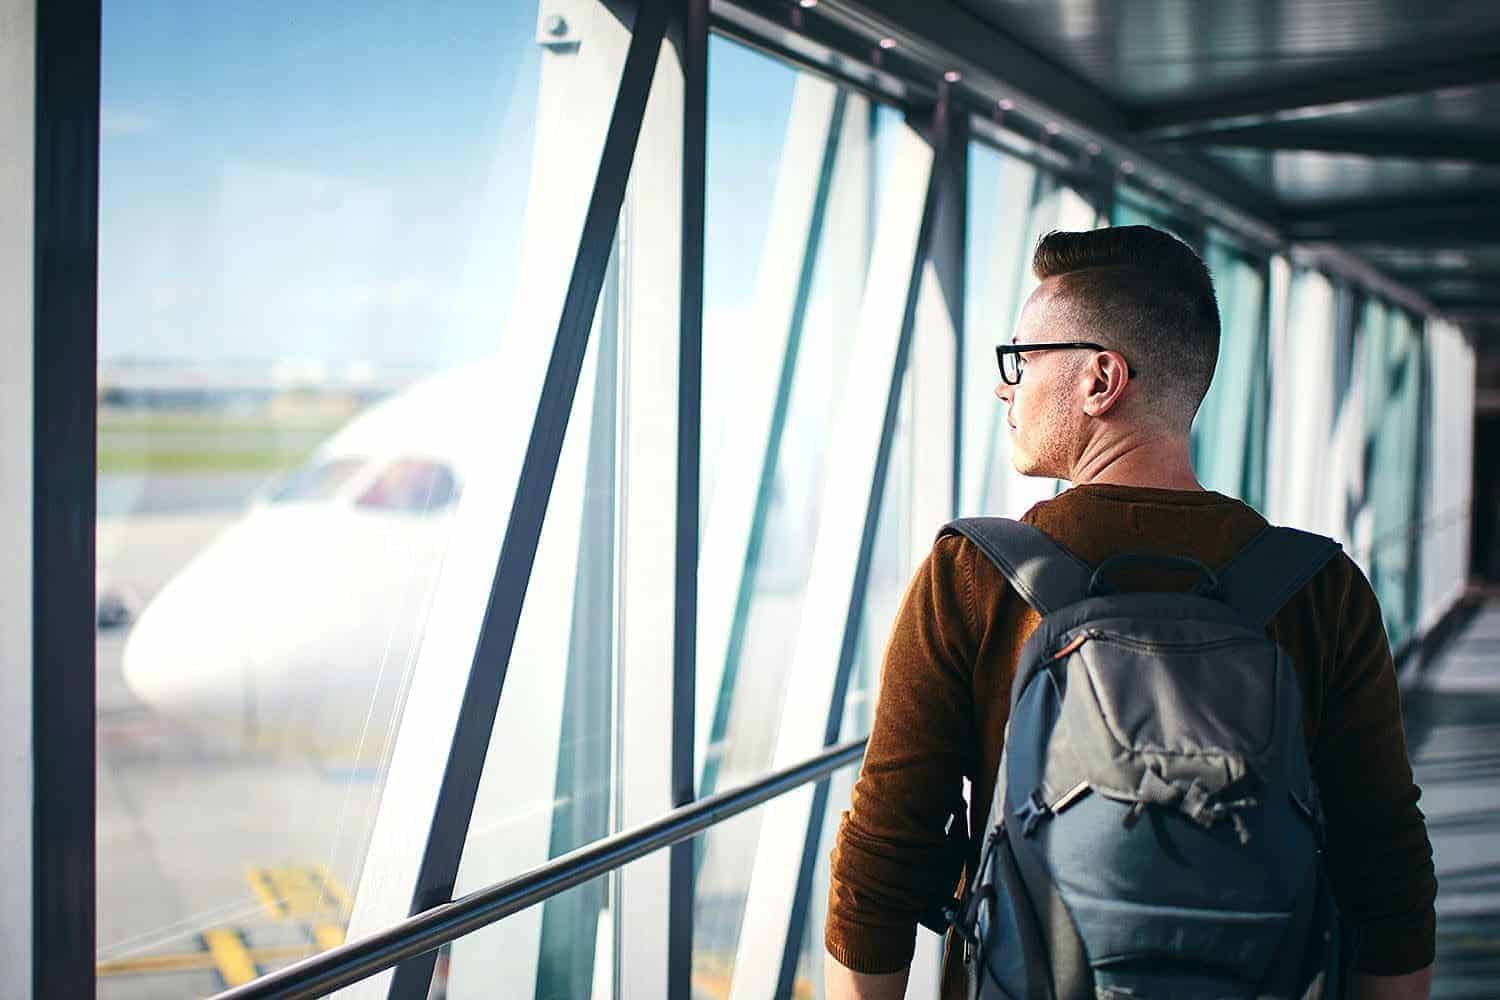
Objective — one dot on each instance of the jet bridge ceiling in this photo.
(1374, 124)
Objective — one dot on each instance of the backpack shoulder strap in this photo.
(1046, 575)
(1276, 564)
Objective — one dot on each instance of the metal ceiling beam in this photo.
(1471, 316)
(1301, 137)
(992, 66)
(1471, 217)
(1306, 98)
(1488, 303)
(1337, 260)
(939, 37)
(1425, 276)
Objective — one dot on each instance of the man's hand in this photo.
(1412, 986)
(842, 983)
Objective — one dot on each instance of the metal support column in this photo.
(65, 289)
(688, 31)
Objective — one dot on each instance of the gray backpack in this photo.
(1155, 830)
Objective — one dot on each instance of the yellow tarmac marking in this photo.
(309, 893)
(295, 891)
(261, 886)
(194, 961)
(334, 888)
(155, 963)
(230, 956)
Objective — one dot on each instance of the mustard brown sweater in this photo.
(945, 695)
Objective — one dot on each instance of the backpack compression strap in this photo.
(1046, 575)
(1276, 564)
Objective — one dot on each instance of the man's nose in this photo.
(1003, 391)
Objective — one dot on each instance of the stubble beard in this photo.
(1049, 445)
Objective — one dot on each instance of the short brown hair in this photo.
(1146, 294)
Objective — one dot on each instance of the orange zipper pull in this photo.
(1078, 640)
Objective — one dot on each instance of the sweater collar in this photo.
(1151, 494)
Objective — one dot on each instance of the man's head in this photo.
(1145, 298)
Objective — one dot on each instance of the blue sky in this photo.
(283, 181)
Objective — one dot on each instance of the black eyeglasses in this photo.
(1013, 364)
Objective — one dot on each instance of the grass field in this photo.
(181, 442)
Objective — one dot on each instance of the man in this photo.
(1113, 418)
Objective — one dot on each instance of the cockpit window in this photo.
(411, 485)
(316, 480)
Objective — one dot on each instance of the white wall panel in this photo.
(1449, 468)
(1298, 481)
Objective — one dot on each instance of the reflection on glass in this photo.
(291, 320)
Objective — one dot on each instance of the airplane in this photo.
(293, 629)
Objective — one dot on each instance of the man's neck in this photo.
(1153, 461)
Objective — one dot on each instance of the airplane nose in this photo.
(183, 660)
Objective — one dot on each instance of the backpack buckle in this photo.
(1032, 812)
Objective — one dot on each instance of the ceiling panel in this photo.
(1146, 53)
(1302, 179)
(1455, 108)
(1436, 262)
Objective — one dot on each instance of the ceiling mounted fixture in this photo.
(953, 76)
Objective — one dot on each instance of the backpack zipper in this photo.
(1151, 644)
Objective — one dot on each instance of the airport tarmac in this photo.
(216, 866)
(213, 866)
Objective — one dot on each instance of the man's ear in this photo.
(1107, 376)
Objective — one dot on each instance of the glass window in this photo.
(1011, 206)
(1229, 434)
(778, 337)
(560, 706)
(282, 300)
(411, 485)
(318, 480)
(1306, 444)
(1395, 372)
(1134, 208)
(582, 738)
(577, 956)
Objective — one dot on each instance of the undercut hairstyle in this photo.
(1146, 294)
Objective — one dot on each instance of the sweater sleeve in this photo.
(1379, 856)
(891, 860)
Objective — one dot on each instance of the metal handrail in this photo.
(349, 963)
